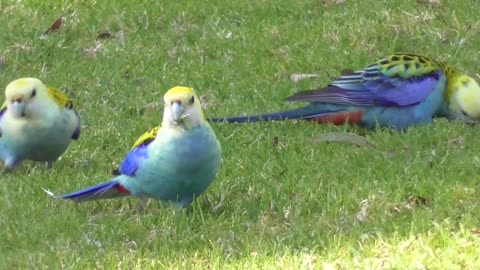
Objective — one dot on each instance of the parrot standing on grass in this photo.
(397, 91)
(174, 162)
(36, 123)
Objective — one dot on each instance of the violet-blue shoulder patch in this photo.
(134, 159)
(76, 133)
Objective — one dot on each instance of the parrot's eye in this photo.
(34, 92)
(192, 100)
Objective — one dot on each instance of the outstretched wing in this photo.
(396, 80)
(138, 153)
(63, 101)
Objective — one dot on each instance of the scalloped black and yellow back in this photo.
(146, 137)
(411, 65)
(60, 98)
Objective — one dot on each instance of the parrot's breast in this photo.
(39, 140)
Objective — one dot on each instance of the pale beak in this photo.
(18, 108)
(176, 112)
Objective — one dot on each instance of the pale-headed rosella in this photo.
(37, 123)
(397, 91)
(174, 162)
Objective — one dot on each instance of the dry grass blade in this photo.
(2, 63)
(296, 77)
(333, 2)
(345, 72)
(55, 26)
(344, 137)
(433, 3)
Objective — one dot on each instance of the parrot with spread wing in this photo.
(37, 123)
(174, 162)
(397, 91)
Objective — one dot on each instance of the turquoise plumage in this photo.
(36, 123)
(397, 91)
(175, 162)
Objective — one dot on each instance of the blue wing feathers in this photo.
(408, 93)
(134, 159)
(383, 90)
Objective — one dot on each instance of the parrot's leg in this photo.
(185, 202)
(49, 164)
(142, 202)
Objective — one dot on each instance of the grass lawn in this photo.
(281, 200)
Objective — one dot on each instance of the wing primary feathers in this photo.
(335, 95)
(377, 90)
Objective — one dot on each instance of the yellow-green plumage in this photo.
(407, 65)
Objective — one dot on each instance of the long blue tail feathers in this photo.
(105, 190)
(301, 113)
